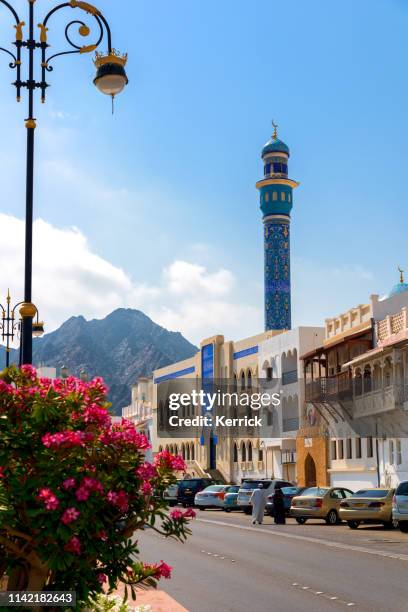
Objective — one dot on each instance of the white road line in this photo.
(292, 536)
(323, 594)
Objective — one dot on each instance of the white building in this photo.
(279, 358)
(140, 411)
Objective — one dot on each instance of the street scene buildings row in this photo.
(357, 359)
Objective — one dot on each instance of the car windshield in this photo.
(214, 488)
(233, 489)
(371, 493)
(402, 489)
(289, 490)
(190, 484)
(253, 484)
(315, 491)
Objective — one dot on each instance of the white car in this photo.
(211, 497)
(400, 506)
(248, 486)
(170, 494)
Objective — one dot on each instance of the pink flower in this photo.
(164, 570)
(69, 483)
(50, 500)
(120, 499)
(2, 474)
(73, 545)
(68, 439)
(98, 415)
(82, 494)
(125, 433)
(189, 513)
(146, 488)
(161, 570)
(70, 515)
(173, 462)
(176, 515)
(146, 471)
(92, 484)
(101, 578)
(29, 371)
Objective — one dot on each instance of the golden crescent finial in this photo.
(275, 129)
(401, 274)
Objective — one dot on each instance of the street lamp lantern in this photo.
(110, 79)
(38, 329)
(64, 372)
(11, 324)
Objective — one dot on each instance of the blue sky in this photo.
(162, 194)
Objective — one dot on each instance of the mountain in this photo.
(121, 347)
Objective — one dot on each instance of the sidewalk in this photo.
(158, 600)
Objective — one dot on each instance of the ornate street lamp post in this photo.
(10, 326)
(110, 79)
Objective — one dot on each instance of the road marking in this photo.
(292, 536)
(323, 594)
(217, 556)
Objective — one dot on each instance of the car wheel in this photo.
(202, 508)
(227, 509)
(353, 524)
(247, 511)
(332, 518)
(301, 520)
(403, 525)
(388, 524)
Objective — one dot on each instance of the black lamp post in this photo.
(10, 326)
(110, 79)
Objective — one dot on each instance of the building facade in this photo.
(352, 418)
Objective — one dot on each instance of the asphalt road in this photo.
(230, 565)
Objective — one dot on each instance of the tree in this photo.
(74, 488)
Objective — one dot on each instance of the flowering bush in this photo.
(74, 488)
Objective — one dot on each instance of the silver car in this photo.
(248, 486)
(400, 506)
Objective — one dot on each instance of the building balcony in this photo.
(379, 401)
(337, 387)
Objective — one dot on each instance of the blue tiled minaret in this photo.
(276, 195)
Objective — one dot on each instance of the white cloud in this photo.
(70, 279)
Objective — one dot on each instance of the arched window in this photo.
(160, 449)
(235, 453)
(192, 452)
(188, 452)
(249, 381)
(275, 196)
(243, 452)
(242, 381)
(283, 196)
(260, 454)
(183, 451)
(249, 451)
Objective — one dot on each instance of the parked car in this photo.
(170, 494)
(400, 506)
(230, 499)
(319, 503)
(211, 497)
(189, 487)
(249, 484)
(368, 506)
(288, 494)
